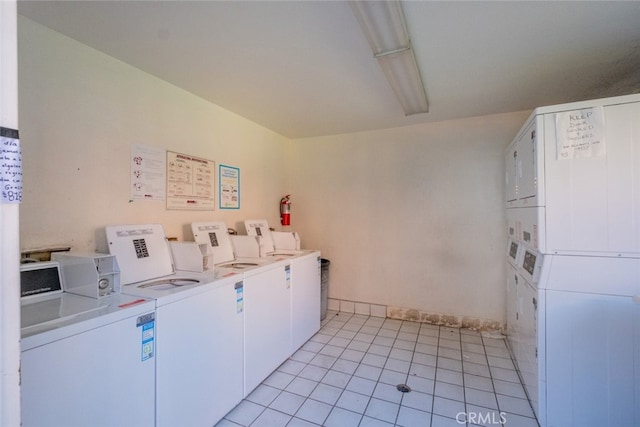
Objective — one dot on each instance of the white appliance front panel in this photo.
(531, 224)
(527, 165)
(267, 323)
(528, 328)
(593, 203)
(305, 299)
(597, 275)
(524, 177)
(511, 182)
(592, 360)
(99, 377)
(512, 305)
(199, 364)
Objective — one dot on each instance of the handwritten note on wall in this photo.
(11, 166)
(580, 134)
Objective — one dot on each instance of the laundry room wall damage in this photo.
(410, 217)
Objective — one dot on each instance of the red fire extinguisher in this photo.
(285, 210)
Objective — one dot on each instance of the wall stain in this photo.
(473, 323)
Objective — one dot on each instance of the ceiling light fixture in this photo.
(384, 26)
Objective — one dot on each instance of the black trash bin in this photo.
(324, 287)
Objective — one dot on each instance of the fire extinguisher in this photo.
(285, 210)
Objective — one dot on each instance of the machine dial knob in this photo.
(103, 284)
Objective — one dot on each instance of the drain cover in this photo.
(403, 388)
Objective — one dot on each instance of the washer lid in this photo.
(142, 251)
(45, 311)
(215, 235)
(260, 227)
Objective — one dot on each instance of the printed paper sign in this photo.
(148, 340)
(239, 297)
(229, 182)
(190, 182)
(148, 172)
(147, 324)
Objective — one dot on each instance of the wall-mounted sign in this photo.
(229, 191)
(10, 166)
(148, 172)
(580, 133)
(190, 182)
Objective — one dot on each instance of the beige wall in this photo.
(81, 111)
(409, 217)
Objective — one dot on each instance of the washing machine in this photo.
(84, 361)
(199, 317)
(305, 297)
(267, 321)
(229, 257)
(590, 349)
(305, 278)
(267, 297)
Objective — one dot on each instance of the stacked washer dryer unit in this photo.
(88, 354)
(266, 299)
(199, 328)
(573, 203)
(305, 278)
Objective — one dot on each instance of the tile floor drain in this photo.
(403, 388)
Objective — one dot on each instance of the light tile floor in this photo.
(346, 375)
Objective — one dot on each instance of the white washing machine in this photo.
(305, 297)
(199, 317)
(305, 278)
(199, 367)
(590, 343)
(267, 298)
(281, 293)
(215, 234)
(267, 321)
(84, 361)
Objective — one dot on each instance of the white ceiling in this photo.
(303, 68)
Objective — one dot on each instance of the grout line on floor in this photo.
(364, 395)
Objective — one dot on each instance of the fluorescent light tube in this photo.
(383, 24)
